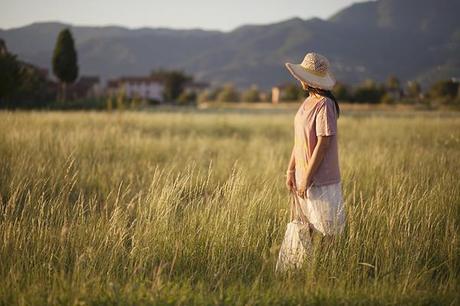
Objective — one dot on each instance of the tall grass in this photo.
(191, 208)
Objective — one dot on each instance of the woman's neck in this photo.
(315, 96)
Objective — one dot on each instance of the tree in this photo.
(414, 91)
(22, 83)
(187, 97)
(174, 82)
(393, 90)
(174, 85)
(34, 89)
(213, 93)
(3, 49)
(368, 92)
(444, 92)
(444, 88)
(10, 74)
(228, 94)
(387, 98)
(341, 92)
(393, 83)
(252, 94)
(292, 93)
(65, 66)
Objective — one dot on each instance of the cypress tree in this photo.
(10, 75)
(65, 66)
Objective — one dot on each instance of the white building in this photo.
(149, 88)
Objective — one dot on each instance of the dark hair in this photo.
(324, 93)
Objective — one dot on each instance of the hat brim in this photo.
(325, 82)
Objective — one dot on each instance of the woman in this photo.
(313, 171)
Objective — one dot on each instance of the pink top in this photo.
(316, 117)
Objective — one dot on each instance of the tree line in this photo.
(442, 92)
(23, 85)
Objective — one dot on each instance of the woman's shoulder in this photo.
(327, 106)
(324, 101)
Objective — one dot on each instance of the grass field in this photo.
(190, 208)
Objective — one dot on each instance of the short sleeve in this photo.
(326, 120)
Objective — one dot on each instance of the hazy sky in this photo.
(207, 14)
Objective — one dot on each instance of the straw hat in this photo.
(314, 70)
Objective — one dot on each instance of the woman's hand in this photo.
(290, 181)
(302, 191)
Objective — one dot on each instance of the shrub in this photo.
(252, 94)
(187, 97)
(387, 99)
(228, 94)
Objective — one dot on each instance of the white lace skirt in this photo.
(324, 208)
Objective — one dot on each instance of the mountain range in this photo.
(411, 39)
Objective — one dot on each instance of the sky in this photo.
(205, 14)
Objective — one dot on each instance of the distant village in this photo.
(23, 85)
(131, 87)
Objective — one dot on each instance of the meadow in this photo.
(190, 207)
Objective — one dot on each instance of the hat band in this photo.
(317, 73)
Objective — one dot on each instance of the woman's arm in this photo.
(316, 159)
(290, 175)
(291, 165)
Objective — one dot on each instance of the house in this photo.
(85, 87)
(276, 93)
(149, 88)
(282, 92)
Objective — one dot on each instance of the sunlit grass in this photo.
(190, 208)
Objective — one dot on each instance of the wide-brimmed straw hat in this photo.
(314, 70)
